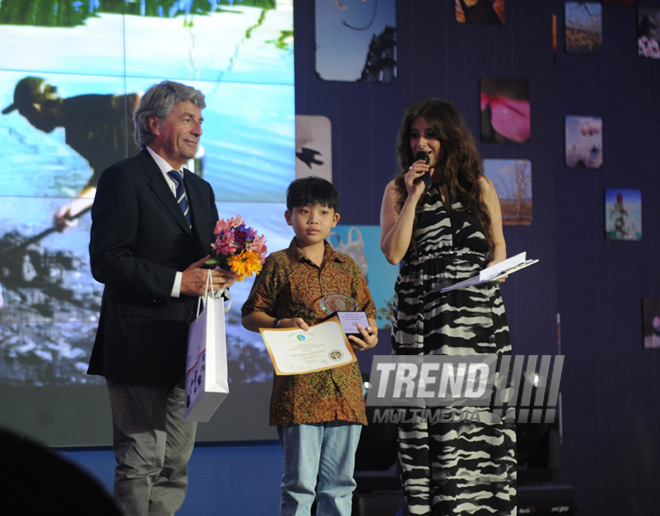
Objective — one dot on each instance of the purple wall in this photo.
(611, 423)
(611, 389)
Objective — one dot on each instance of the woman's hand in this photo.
(414, 178)
(396, 216)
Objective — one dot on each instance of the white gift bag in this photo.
(206, 368)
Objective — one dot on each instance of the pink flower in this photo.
(237, 247)
(222, 226)
(509, 117)
(225, 244)
(647, 47)
(258, 245)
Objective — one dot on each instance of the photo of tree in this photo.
(623, 214)
(584, 141)
(513, 182)
(584, 27)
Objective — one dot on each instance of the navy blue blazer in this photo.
(139, 239)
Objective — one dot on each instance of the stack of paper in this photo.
(499, 270)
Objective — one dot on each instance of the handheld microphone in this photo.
(427, 174)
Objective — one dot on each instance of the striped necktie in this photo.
(181, 194)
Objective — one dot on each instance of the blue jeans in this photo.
(323, 451)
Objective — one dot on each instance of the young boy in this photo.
(319, 416)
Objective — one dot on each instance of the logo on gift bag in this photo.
(195, 378)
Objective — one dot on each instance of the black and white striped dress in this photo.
(452, 468)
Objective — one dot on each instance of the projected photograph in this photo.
(584, 27)
(513, 182)
(356, 40)
(584, 141)
(84, 127)
(314, 146)
(68, 90)
(505, 110)
(651, 312)
(648, 32)
(623, 214)
(491, 12)
(248, 41)
(362, 243)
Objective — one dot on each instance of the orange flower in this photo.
(244, 264)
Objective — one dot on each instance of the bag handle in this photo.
(219, 294)
(339, 242)
(354, 234)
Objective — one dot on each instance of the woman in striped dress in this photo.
(443, 234)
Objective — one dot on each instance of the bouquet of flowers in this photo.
(237, 248)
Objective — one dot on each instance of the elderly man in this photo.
(152, 226)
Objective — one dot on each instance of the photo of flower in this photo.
(237, 248)
(505, 111)
(584, 141)
(648, 33)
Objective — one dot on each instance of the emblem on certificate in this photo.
(346, 310)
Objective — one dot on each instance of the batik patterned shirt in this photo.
(290, 285)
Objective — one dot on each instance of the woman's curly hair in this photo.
(460, 165)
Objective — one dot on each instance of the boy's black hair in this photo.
(312, 190)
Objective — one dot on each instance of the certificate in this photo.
(294, 351)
